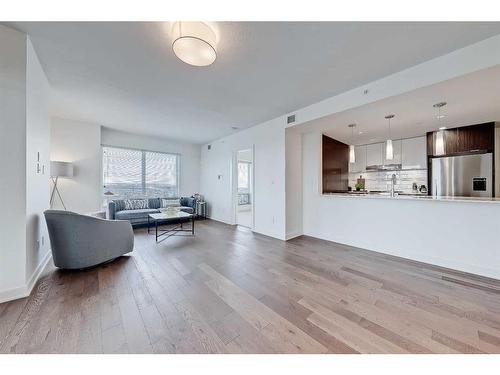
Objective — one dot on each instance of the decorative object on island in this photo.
(352, 155)
(439, 141)
(389, 151)
(194, 43)
(360, 184)
(59, 169)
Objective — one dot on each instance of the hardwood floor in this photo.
(228, 290)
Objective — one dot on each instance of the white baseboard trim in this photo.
(38, 272)
(292, 235)
(219, 220)
(12, 294)
(25, 290)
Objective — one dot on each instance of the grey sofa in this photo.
(117, 211)
(81, 241)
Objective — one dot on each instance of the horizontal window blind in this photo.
(138, 173)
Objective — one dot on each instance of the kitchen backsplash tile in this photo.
(381, 180)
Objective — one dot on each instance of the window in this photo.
(243, 177)
(139, 173)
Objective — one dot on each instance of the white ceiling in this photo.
(125, 76)
(471, 99)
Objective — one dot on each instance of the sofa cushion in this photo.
(135, 214)
(136, 204)
(154, 202)
(188, 210)
(187, 202)
(119, 204)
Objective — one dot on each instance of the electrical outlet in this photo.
(38, 245)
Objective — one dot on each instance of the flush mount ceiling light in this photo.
(194, 43)
(389, 151)
(439, 136)
(352, 155)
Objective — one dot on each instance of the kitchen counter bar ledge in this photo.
(415, 197)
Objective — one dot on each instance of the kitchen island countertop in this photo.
(414, 197)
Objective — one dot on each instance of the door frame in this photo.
(234, 185)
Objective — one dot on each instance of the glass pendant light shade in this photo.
(389, 152)
(352, 155)
(439, 143)
(439, 136)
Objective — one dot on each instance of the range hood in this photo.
(384, 167)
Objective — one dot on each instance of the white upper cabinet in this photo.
(374, 154)
(396, 150)
(360, 164)
(414, 153)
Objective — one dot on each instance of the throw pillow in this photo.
(136, 204)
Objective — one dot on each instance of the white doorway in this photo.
(244, 201)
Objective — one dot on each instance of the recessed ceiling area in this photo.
(125, 76)
(471, 99)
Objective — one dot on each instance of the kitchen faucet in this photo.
(393, 183)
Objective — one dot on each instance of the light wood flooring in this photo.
(228, 290)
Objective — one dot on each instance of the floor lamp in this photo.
(59, 169)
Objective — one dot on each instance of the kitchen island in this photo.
(457, 233)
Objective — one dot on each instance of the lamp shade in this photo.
(61, 169)
(194, 43)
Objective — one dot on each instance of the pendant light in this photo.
(439, 136)
(389, 151)
(352, 155)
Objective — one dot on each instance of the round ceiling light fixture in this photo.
(194, 43)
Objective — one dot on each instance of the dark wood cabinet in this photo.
(463, 140)
(335, 157)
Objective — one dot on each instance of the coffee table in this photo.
(166, 218)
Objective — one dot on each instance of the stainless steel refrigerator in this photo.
(463, 176)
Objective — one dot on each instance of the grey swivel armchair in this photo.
(81, 241)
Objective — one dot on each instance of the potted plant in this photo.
(359, 186)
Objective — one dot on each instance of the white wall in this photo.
(268, 141)
(293, 183)
(477, 56)
(12, 159)
(458, 235)
(37, 164)
(24, 134)
(79, 143)
(190, 154)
